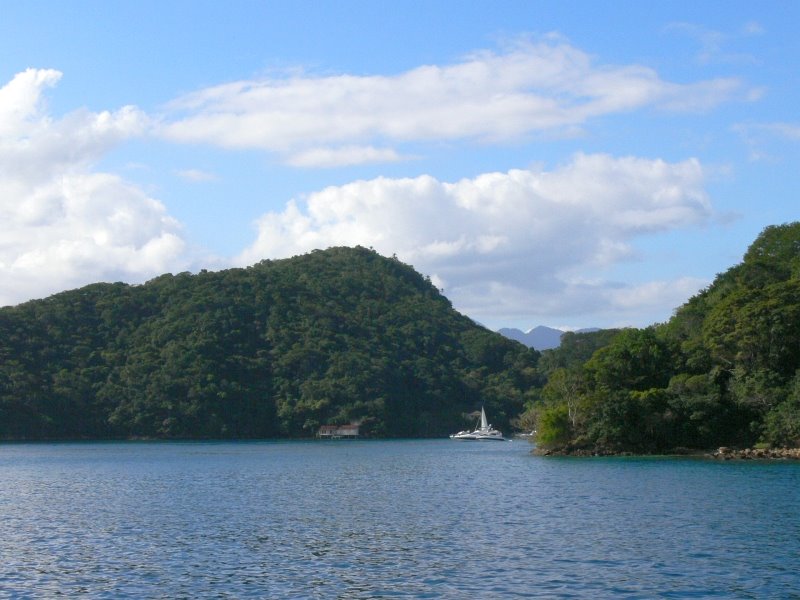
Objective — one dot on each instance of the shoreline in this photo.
(725, 453)
(722, 453)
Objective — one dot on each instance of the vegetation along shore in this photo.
(721, 453)
(723, 371)
(344, 335)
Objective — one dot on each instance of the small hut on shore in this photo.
(338, 432)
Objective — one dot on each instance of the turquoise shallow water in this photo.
(394, 519)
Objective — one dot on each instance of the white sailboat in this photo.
(484, 432)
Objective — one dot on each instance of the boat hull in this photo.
(478, 438)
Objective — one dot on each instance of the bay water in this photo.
(390, 519)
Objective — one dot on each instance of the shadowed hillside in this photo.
(276, 349)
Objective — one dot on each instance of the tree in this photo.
(565, 388)
(782, 422)
(553, 426)
(635, 359)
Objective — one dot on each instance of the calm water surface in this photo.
(408, 519)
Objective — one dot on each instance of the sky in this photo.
(562, 163)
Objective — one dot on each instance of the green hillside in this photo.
(725, 370)
(273, 350)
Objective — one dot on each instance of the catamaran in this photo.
(483, 433)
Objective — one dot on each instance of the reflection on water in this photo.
(416, 519)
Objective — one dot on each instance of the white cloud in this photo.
(348, 155)
(501, 243)
(489, 97)
(20, 100)
(197, 175)
(653, 294)
(62, 225)
(591, 301)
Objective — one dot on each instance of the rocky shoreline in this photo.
(722, 453)
(725, 453)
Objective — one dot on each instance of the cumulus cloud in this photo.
(653, 293)
(534, 86)
(61, 224)
(501, 243)
(21, 100)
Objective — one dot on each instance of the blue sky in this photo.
(570, 164)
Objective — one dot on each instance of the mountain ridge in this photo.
(540, 337)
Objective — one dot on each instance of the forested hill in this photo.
(273, 350)
(725, 370)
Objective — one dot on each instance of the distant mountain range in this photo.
(539, 338)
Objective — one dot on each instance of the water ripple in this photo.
(389, 520)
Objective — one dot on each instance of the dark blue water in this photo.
(410, 519)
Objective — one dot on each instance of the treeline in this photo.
(725, 370)
(342, 335)
(273, 350)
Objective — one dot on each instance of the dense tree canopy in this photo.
(341, 335)
(725, 370)
(276, 349)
